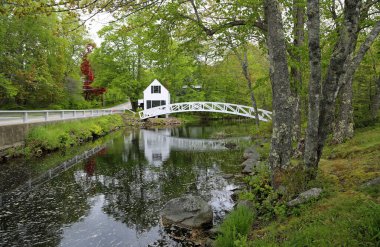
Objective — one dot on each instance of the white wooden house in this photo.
(156, 95)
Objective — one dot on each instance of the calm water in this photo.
(112, 195)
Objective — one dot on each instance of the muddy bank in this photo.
(151, 122)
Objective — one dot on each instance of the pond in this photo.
(112, 194)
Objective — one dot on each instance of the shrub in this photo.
(267, 202)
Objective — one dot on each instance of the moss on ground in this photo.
(348, 214)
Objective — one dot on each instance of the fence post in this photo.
(25, 117)
(46, 116)
(62, 114)
(75, 114)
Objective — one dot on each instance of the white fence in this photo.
(36, 116)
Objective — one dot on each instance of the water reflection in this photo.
(158, 143)
(114, 198)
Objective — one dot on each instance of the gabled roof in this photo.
(155, 82)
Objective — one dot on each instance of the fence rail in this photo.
(36, 116)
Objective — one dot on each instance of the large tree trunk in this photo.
(281, 143)
(295, 71)
(311, 141)
(344, 47)
(344, 125)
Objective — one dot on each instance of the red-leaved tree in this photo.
(88, 76)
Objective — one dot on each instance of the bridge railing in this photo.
(219, 107)
(34, 116)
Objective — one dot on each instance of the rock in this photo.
(228, 176)
(372, 182)
(252, 157)
(251, 153)
(248, 166)
(190, 212)
(235, 195)
(213, 232)
(230, 145)
(305, 196)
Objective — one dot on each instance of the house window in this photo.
(155, 103)
(157, 157)
(155, 89)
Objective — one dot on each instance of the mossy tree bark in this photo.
(343, 48)
(295, 70)
(375, 105)
(281, 142)
(344, 128)
(313, 25)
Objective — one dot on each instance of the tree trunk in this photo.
(295, 71)
(247, 75)
(281, 142)
(344, 47)
(311, 140)
(344, 125)
(376, 100)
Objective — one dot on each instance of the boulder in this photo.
(248, 166)
(251, 153)
(305, 196)
(190, 212)
(252, 157)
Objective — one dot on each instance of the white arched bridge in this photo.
(218, 107)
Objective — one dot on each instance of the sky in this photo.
(95, 24)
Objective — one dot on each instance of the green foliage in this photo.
(52, 137)
(266, 201)
(38, 60)
(237, 225)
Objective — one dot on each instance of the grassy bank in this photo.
(52, 137)
(347, 214)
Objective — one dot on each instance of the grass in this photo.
(234, 227)
(347, 219)
(48, 138)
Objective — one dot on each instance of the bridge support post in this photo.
(25, 117)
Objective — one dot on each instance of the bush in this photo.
(267, 202)
(235, 227)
